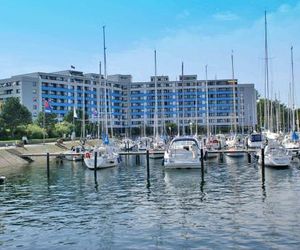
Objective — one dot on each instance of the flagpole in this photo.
(98, 101)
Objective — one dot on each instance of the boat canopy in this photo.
(256, 138)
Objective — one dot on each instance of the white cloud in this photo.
(183, 14)
(225, 16)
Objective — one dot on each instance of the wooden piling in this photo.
(95, 166)
(48, 165)
(202, 163)
(148, 169)
(263, 163)
(249, 157)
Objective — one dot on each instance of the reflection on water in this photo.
(229, 207)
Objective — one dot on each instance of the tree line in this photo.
(16, 121)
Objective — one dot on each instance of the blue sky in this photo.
(51, 35)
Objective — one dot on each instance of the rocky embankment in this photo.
(11, 156)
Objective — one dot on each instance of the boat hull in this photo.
(102, 162)
(276, 162)
(156, 154)
(182, 165)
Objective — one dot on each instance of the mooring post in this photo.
(95, 166)
(202, 163)
(249, 157)
(148, 169)
(48, 165)
(263, 163)
(221, 157)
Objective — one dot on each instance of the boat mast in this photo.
(207, 111)
(83, 109)
(177, 106)
(196, 115)
(293, 91)
(145, 100)
(289, 108)
(183, 120)
(105, 81)
(98, 102)
(266, 106)
(155, 90)
(233, 93)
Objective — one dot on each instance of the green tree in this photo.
(14, 114)
(63, 128)
(50, 121)
(77, 121)
(171, 128)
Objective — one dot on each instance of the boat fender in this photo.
(87, 155)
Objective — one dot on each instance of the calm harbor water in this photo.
(175, 210)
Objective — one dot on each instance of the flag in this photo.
(47, 107)
(95, 113)
(72, 67)
(294, 136)
(74, 113)
(105, 139)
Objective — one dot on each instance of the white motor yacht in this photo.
(275, 156)
(183, 152)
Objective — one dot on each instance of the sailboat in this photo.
(157, 148)
(275, 155)
(235, 142)
(211, 144)
(107, 153)
(291, 141)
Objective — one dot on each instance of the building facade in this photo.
(187, 102)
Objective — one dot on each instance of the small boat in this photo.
(212, 151)
(157, 148)
(107, 157)
(78, 152)
(255, 140)
(143, 143)
(291, 142)
(275, 156)
(183, 152)
(235, 147)
(127, 144)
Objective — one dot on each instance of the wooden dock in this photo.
(223, 151)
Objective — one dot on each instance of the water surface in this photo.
(233, 208)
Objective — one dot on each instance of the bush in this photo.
(34, 131)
